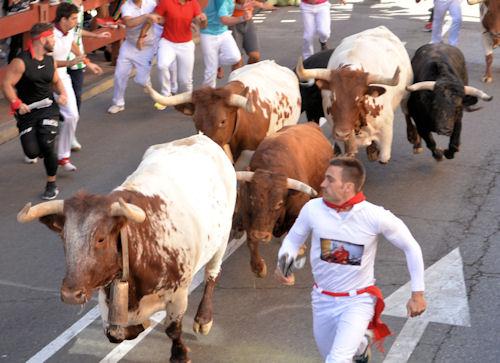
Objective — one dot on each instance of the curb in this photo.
(8, 130)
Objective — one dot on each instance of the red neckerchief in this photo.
(358, 198)
(58, 27)
(44, 34)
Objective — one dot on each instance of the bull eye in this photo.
(222, 123)
(100, 240)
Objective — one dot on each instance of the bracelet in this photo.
(86, 61)
(15, 105)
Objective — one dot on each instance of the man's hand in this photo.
(23, 109)
(155, 18)
(140, 43)
(94, 68)
(62, 99)
(202, 21)
(76, 60)
(248, 15)
(288, 281)
(416, 304)
(103, 35)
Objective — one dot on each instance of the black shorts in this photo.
(245, 35)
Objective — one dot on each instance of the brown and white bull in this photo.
(362, 86)
(490, 21)
(176, 212)
(286, 170)
(258, 100)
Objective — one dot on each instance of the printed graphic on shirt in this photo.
(341, 252)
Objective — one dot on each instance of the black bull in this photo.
(438, 97)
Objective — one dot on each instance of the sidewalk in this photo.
(92, 86)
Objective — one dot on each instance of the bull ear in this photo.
(55, 222)
(322, 84)
(186, 108)
(245, 92)
(375, 91)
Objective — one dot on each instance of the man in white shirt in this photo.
(344, 228)
(66, 19)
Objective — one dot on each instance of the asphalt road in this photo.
(454, 203)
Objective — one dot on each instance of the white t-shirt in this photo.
(344, 245)
(132, 10)
(62, 49)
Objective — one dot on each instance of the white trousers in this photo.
(340, 324)
(180, 54)
(70, 113)
(315, 19)
(440, 9)
(130, 57)
(218, 50)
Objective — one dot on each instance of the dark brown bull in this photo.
(490, 21)
(285, 172)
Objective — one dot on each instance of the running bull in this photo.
(258, 100)
(362, 86)
(175, 211)
(438, 98)
(490, 21)
(285, 171)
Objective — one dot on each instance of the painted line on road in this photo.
(258, 21)
(288, 21)
(23, 286)
(54, 346)
(50, 349)
(123, 348)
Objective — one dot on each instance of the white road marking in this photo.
(34, 288)
(288, 21)
(123, 348)
(294, 11)
(54, 346)
(258, 21)
(50, 349)
(446, 297)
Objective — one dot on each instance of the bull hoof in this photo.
(202, 328)
(115, 334)
(418, 150)
(449, 154)
(260, 271)
(336, 150)
(487, 79)
(437, 154)
(383, 162)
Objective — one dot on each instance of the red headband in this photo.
(44, 34)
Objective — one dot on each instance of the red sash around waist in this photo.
(379, 328)
(314, 2)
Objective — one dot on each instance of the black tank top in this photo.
(35, 85)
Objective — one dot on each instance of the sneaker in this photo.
(66, 165)
(51, 191)
(366, 355)
(428, 27)
(18, 7)
(159, 106)
(54, 2)
(115, 109)
(75, 145)
(323, 45)
(27, 160)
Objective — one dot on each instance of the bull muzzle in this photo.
(261, 236)
(73, 296)
(342, 135)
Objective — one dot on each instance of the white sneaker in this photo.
(75, 145)
(27, 160)
(115, 109)
(66, 165)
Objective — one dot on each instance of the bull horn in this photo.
(228, 152)
(472, 91)
(179, 99)
(313, 73)
(240, 101)
(129, 210)
(474, 2)
(421, 86)
(301, 187)
(244, 175)
(28, 213)
(379, 79)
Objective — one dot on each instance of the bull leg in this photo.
(204, 316)
(257, 263)
(350, 147)
(372, 151)
(175, 311)
(431, 144)
(413, 136)
(488, 76)
(385, 141)
(454, 144)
